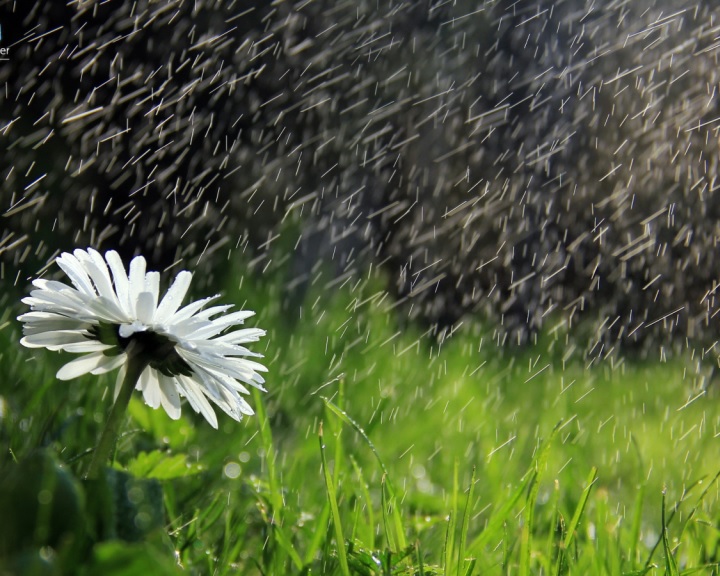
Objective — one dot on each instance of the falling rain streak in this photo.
(532, 164)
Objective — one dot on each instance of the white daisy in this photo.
(186, 351)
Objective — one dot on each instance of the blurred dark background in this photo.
(521, 163)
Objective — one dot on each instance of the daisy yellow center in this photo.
(158, 349)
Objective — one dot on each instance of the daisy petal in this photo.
(150, 387)
(127, 330)
(187, 311)
(173, 297)
(120, 279)
(217, 326)
(110, 365)
(75, 271)
(87, 346)
(145, 307)
(119, 381)
(97, 269)
(152, 286)
(242, 336)
(192, 391)
(136, 282)
(81, 366)
(170, 398)
(53, 340)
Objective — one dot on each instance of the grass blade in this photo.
(670, 566)
(450, 530)
(500, 515)
(689, 517)
(332, 500)
(318, 534)
(465, 527)
(370, 535)
(285, 543)
(528, 522)
(555, 533)
(386, 506)
(575, 521)
(344, 416)
(418, 557)
(671, 517)
(276, 498)
(636, 523)
(397, 521)
(392, 494)
(498, 518)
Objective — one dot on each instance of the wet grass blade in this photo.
(689, 517)
(636, 523)
(318, 534)
(285, 543)
(529, 512)
(465, 527)
(555, 533)
(498, 518)
(494, 525)
(528, 524)
(370, 532)
(332, 500)
(450, 529)
(276, 498)
(387, 506)
(392, 494)
(344, 416)
(419, 560)
(575, 521)
(671, 568)
(671, 517)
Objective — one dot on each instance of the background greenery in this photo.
(378, 449)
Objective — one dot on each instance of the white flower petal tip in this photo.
(127, 330)
(193, 351)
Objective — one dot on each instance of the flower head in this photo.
(108, 314)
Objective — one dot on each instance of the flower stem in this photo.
(137, 361)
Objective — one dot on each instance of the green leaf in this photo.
(175, 433)
(162, 466)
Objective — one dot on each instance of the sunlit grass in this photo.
(426, 454)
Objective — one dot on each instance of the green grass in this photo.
(383, 449)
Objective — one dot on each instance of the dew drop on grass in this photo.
(232, 470)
